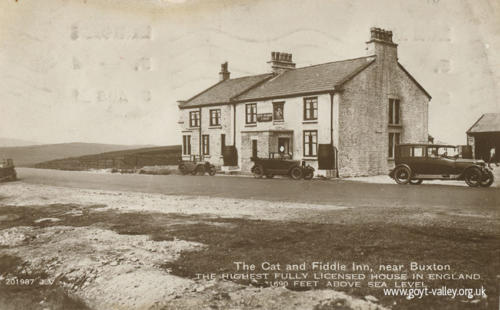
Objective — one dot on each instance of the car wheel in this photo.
(183, 169)
(269, 176)
(309, 174)
(416, 181)
(296, 173)
(402, 175)
(258, 171)
(473, 176)
(212, 171)
(200, 170)
(487, 179)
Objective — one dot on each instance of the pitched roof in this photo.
(489, 122)
(415, 81)
(317, 78)
(223, 91)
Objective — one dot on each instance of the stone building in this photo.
(359, 108)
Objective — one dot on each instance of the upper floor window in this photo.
(311, 108)
(194, 119)
(278, 110)
(215, 117)
(251, 113)
(310, 142)
(394, 112)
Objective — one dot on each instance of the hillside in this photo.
(30, 155)
(123, 159)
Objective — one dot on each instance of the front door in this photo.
(284, 146)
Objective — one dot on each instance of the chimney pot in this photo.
(281, 62)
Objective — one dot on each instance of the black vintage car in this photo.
(195, 166)
(281, 164)
(418, 162)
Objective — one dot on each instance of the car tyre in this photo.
(212, 171)
(402, 175)
(473, 177)
(258, 171)
(416, 181)
(309, 174)
(487, 179)
(296, 173)
(200, 170)
(183, 169)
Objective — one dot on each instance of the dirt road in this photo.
(334, 192)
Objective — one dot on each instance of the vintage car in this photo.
(195, 166)
(7, 170)
(281, 164)
(418, 162)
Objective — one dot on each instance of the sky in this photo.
(112, 71)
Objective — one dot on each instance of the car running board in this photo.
(436, 176)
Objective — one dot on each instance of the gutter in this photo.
(234, 124)
(331, 118)
(199, 142)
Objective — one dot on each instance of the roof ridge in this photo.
(336, 61)
(248, 76)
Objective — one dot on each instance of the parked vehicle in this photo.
(280, 164)
(7, 170)
(195, 167)
(418, 162)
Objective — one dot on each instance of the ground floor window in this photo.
(393, 141)
(310, 142)
(205, 144)
(186, 145)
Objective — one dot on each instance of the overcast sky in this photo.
(111, 71)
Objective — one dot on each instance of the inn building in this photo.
(343, 117)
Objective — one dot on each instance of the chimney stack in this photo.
(224, 73)
(281, 62)
(381, 44)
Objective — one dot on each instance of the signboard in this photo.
(264, 117)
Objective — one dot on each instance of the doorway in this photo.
(284, 146)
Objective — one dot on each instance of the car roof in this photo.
(427, 144)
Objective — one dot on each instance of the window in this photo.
(394, 112)
(222, 143)
(278, 111)
(432, 152)
(310, 142)
(311, 108)
(194, 119)
(186, 145)
(205, 144)
(393, 141)
(215, 117)
(254, 149)
(418, 151)
(251, 113)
